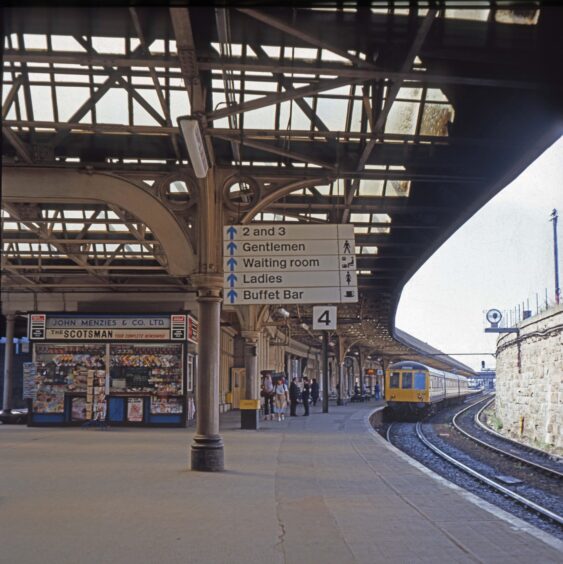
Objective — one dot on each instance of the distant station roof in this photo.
(403, 121)
(427, 354)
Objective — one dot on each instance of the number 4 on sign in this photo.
(324, 317)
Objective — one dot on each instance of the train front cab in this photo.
(407, 388)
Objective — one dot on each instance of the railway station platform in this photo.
(322, 488)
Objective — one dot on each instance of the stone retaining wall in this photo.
(529, 382)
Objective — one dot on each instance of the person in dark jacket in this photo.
(293, 397)
(305, 395)
(315, 391)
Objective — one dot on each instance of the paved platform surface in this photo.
(306, 490)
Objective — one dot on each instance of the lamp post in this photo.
(554, 218)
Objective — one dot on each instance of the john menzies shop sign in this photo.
(65, 327)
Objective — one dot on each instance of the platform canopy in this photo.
(403, 121)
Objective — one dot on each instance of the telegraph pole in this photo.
(554, 218)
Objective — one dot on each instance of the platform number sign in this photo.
(324, 317)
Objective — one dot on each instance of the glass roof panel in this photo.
(381, 217)
(402, 118)
(397, 188)
(140, 115)
(272, 50)
(479, 14)
(69, 99)
(262, 118)
(42, 103)
(112, 107)
(332, 113)
(35, 41)
(435, 94)
(412, 93)
(435, 119)
(359, 217)
(65, 43)
(109, 45)
(371, 187)
(520, 16)
(291, 116)
(323, 189)
(180, 105)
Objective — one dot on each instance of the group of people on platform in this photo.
(277, 396)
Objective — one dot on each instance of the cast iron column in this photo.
(325, 371)
(9, 364)
(340, 383)
(207, 447)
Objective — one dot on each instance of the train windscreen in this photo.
(394, 380)
(420, 380)
(407, 380)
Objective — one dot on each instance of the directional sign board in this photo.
(289, 263)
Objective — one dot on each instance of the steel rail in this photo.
(534, 465)
(491, 483)
(388, 434)
(487, 429)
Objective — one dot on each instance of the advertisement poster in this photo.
(78, 409)
(135, 410)
(29, 381)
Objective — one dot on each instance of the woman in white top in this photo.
(280, 398)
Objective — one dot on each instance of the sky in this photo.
(501, 257)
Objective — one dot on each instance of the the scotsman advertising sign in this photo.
(85, 327)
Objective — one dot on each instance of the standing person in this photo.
(293, 397)
(305, 395)
(268, 395)
(315, 391)
(280, 398)
(377, 391)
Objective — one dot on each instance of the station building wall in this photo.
(529, 402)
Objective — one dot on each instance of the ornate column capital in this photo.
(251, 337)
(208, 285)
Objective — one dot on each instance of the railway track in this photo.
(514, 451)
(473, 474)
(491, 483)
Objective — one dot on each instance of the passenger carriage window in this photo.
(420, 380)
(394, 380)
(407, 380)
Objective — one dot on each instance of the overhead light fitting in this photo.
(282, 312)
(189, 127)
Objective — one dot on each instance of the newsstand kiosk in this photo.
(111, 368)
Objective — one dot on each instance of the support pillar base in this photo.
(339, 401)
(250, 419)
(207, 454)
